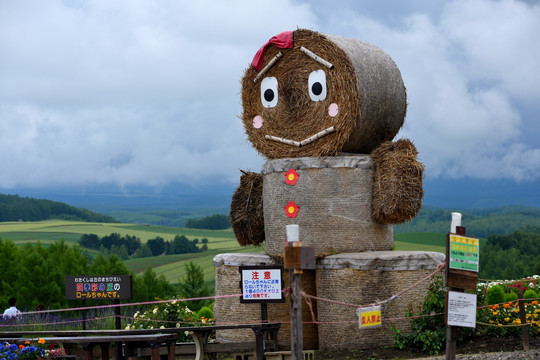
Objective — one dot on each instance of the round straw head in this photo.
(326, 94)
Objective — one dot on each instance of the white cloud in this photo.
(137, 92)
(464, 77)
(129, 92)
(498, 43)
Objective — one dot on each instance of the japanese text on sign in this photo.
(464, 253)
(261, 284)
(98, 287)
(461, 309)
(369, 317)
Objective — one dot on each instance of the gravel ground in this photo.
(489, 348)
(525, 355)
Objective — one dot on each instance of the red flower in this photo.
(291, 176)
(291, 209)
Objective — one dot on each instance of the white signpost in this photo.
(461, 309)
(261, 284)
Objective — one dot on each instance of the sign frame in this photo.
(94, 287)
(460, 309)
(372, 316)
(457, 257)
(460, 278)
(244, 270)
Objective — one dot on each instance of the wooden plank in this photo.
(299, 257)
(297, 340)
(461, 279)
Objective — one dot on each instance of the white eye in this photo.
(317, 85)
(269, 93)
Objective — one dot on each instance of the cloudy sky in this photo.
(132, 92)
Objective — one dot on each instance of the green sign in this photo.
(464, 253)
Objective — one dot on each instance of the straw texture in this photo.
(334, 203)
(230, 310)
(246, 210)
(397, 188)
(364, 83)
(349, 283)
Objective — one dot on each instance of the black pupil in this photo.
(316, 88)
(269, 95)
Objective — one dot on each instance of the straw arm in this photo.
(397, 185)
(246, 213)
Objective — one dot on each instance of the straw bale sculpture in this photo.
(314, 105)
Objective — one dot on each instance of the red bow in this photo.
(282, 41)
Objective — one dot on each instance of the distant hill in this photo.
(478, 222)
(15, 208)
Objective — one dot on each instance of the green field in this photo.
(172, 266)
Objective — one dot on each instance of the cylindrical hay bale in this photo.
(333, 195)
(397, 190)
(363, 279)
(365, 99)
(309, 311)
(246, 210)
(229, 310)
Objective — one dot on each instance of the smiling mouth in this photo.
(306, 141)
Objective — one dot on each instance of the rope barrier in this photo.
(129, 304)
(440, 267)
(307, 297)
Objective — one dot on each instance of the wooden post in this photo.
(84, 315)
(451, 331)
(296, 258)
(297, 340)
(451, 336)
(523, 318)
(118, 326)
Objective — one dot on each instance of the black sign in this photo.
(103, 287)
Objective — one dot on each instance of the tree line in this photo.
(15, 208)
(130, 246)
(212, 222)
(479, 222)
(512, 256)
(35, 274)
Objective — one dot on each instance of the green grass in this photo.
(172, 266)
(420, 241)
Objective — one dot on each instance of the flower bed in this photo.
(501, 314)
(30, 351)
(171, 314)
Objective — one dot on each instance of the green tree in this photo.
(156, 245)
(34, 284)
(212, 222)
(90, 241)
(182, 245)
(143, 251)
(110, 265)
(9, 270)
(148, 286)
(192, 285)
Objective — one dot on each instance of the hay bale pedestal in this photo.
(352, 278)
(364, 278)
(230, 310)
(334, 196)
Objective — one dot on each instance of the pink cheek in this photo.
(258, 122)
(333, 109)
